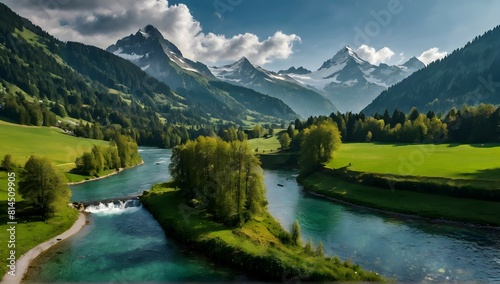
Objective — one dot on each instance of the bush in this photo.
(7, 163)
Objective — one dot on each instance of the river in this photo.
(129, 245)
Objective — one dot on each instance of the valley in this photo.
(192, 151)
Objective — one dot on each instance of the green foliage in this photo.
(7, 163)
(43, 185)
(309, 247)
(260, 247)
(318, 144)
(449, 82)
(319, 250)
(284, 140)
(257, 132)
(123, 152)
(47, 77)
(405, 201)
(416, 128)
(225, 176)
(296, 235)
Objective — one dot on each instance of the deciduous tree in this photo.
(43, 185)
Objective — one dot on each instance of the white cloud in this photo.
(431, 55)
(374, 56)
(102, 23)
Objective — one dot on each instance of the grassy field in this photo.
(256, 248)
(479, 162)
(23, 141)
(30, 231)
(266, 144)
(403, 201)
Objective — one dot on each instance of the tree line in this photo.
(121, 153)
(223, 177)
(470, 124)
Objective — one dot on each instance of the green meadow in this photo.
(479, 162)
(23, 141)
(271, 144)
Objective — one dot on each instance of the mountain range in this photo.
(88, 83)
(350, 82)
(302, 100)
(468, 76)
(161, 59)
(144, 82)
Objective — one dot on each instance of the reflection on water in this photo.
(408, 250)
(122, 241)
(129, 245)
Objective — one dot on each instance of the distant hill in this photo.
(468, 76)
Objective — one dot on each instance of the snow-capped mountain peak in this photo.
(342, 56)
(351, 82)
(305, 102)
(149, 50)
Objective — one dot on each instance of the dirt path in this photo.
(23, 262)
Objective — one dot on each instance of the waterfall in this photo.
(114, 207)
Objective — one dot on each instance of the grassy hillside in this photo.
(478, 162)
(24, 141)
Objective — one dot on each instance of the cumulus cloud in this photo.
(101, 23)
(431, 55)
(374, 56)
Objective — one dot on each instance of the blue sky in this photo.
(325, 26)
(275, 34)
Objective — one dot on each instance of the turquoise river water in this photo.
(128, 245)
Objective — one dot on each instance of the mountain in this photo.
(350, 82)
(470, 75)
(81, 81)
(292, 70)
(303, 101)
(160, 58)
(41, 77)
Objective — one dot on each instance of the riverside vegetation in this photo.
(389, 177)
(42, 191)
(216, 204)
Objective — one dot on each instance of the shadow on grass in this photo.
(488, 174)
(487, 145)
(24, 213)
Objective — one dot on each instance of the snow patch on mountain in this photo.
(350, 82)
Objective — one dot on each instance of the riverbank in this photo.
(22, 263)
(261, 248)
(104, 176)
(410, 196)
(460, 211)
